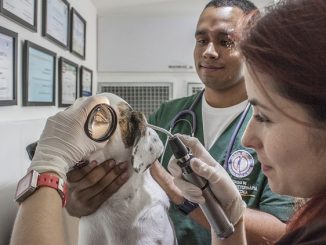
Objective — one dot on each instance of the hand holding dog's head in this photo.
(132, 139)
(63, 142)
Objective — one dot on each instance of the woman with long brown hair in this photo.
(285, 53)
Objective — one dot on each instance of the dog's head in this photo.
(131, 140)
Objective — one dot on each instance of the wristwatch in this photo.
(187, 207)
(34, 180)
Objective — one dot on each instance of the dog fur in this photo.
(137, 214)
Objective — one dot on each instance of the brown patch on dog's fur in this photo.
(132, 124)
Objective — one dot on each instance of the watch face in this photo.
(26, 186)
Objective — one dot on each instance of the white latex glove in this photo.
(63, 142)
(220, 183)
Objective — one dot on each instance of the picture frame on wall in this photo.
(86, 82)
(68, 80)
(39, 67)
(23, 12)
(8, 67)
(56, 21)
(78, 34)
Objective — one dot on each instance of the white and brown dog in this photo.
(137, 214)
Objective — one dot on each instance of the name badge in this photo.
(241, 163)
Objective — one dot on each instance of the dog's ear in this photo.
(147, 148)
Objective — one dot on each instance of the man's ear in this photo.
(147, 148)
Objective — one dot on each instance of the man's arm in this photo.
(165, 180)
(260, 227)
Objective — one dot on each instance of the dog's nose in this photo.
(137, 170)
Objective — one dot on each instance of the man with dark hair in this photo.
(244, 5)
(219, 66)
(218, 110)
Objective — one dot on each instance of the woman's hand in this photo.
(204, 165)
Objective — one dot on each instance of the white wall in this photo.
(139, 43)
(146, 43)
(20, 125)
(141, 47)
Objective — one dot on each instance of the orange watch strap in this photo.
(49, 180)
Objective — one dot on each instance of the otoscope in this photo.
(211, 208)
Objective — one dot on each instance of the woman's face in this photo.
(291, 156)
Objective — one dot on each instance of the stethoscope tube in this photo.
(191, 112)
(234, 135)
(177, 118)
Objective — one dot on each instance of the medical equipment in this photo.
(211, 208)
(189, 111)
(101, 123)
(193, 125)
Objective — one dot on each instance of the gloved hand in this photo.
(220, 183)
(63, 142)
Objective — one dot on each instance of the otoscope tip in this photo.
(162, 130)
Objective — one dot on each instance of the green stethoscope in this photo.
(180, 117)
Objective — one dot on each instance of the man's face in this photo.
(218, 63)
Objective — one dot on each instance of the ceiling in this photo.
(139, 7)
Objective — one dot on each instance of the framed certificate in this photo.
(8, 67)
(22, 11)
(39, 66)
(78, 34)
(56, 21)
(68, 77)
(86, 82)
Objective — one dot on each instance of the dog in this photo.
(137, 214)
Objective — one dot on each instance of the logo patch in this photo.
(241, 163)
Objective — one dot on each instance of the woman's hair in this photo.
(313, 209)
(289, 44)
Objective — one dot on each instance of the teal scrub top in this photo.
(247, 175)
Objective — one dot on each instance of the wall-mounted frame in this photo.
(86, 82)
(78, 34)
(194, 87)
(23, 12)
(68, 79)
(39, 66)
(8, 67)
(56, 21)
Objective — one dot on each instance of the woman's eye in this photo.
(261, 119)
